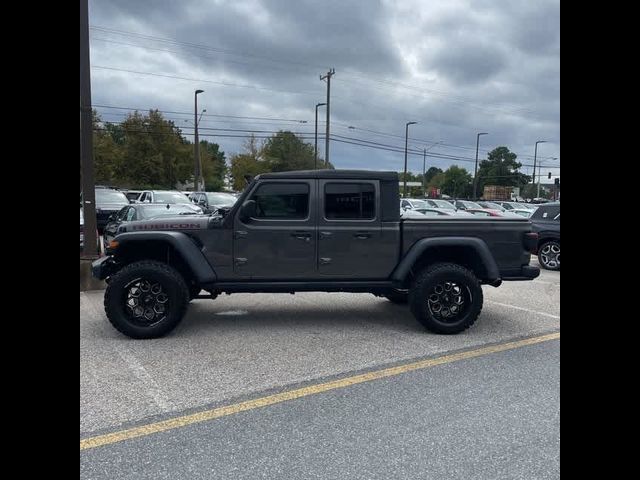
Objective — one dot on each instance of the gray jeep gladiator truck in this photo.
(319, 230)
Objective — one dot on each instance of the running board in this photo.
(292, 287)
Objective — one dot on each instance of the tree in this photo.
(285, 151)
(500, 168)
(457, 182)
(248, 162)
(430, 173)
(214, 166)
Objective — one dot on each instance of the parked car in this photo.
(172, 197)
(143, 211)
(516, 205)
(108, 201)
(413, 203)
(316, 230)
(437, 203)
(523, 212)
(211, 202)
(491, 205)
(466, 204)
(546, 222)
(410, 213)
(486, 212)
(132, 195)
(449, 212)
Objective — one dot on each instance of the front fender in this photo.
(182, 244)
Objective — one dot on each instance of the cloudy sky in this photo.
(456, 67)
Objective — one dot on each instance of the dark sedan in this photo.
(108, 201)
(211, 202)
(142, 211)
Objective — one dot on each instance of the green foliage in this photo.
(501, 168)
(148, 151)
(431, 173)
(457, 182)
(284, 151)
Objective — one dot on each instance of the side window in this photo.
(405, 204)
(352, 201)
(122, 213)
(282, 201)
(131, 214)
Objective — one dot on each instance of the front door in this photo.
(279, 243)
(350, 243)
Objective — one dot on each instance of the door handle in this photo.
(240, 234)
(362, 235)
(302, 236)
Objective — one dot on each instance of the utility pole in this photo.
(196, 146)
(89, 249)
(424, 164)
(328, 76)
(315, 150)
(475, 174)
(406, 145)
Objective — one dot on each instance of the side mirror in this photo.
(248, 210)
(223, 211)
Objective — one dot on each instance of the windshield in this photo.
(444, 204)
(171, 197)
(222, 199)
(110, 196)
(418, 203)
(153, 211)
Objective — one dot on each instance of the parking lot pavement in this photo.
(494, 416)
(240, 345)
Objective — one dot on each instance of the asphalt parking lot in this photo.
(245, 346)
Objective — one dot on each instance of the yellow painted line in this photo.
(214, 413)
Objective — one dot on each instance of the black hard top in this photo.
(333, 174)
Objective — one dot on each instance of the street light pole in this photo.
(539, 168)
(406, 145)
(315, 158)
(535, 155)
(475, 174)
(328, 76)
(196, 147)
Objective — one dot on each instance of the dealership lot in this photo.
(243, 345)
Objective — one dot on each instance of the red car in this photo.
(485, 212)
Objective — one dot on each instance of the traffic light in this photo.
(549, 175)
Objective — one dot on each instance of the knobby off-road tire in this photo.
(146, 299)
(446, 298)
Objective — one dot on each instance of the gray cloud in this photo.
(456, 67)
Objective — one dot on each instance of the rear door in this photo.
(349, 230)
(279, 243)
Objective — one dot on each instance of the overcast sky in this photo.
(455, 67)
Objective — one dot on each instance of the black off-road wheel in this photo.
(446, 298)
(146, 299)
(398, 296)
(549, 255)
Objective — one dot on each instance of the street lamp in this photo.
(406, 144)
(539, 168)
(535, 155)
(196, 147)
(475, 173)
(315, 155)
(424, 166)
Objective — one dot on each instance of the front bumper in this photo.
(103, 267)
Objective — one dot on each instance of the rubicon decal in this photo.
(168, 226)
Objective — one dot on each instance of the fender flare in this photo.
(492, 273)
(189, 251)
